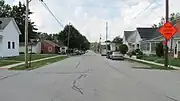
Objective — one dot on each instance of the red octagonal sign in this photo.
(168, 30)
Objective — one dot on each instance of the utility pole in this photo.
(106, 35)
(26, 33)
(166, 46)
(100, 44)
(68, 36)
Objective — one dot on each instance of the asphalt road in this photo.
(90, 77)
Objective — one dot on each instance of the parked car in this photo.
(117, 56)
(108, 54)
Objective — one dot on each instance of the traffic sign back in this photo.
(168, 30)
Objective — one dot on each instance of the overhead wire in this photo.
(47, 8)
(144, 9)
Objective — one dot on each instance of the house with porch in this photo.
(9, 38)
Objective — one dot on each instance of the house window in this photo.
(9, 45)
(13, 45)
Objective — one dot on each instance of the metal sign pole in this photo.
(166, 46)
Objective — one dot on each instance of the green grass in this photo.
(5, 62)
(150, 58)
(38, 64)
(172, 61)
(33, 57)
(151, 66)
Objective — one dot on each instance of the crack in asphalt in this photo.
(117, 70)
(75, 87)
(74, 84)
(171, 98)
(8, 76)
(63, 72)
(78, 64)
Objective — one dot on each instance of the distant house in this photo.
(49, 47)
(34, 47)
(137, 39)
(9, 37)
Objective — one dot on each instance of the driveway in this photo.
(90, 77)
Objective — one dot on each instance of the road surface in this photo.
(90, 77)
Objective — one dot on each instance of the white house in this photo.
(35, 46)
(9, 37)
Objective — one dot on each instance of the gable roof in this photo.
(148, 33)
(52, 43)
(177, 35)
(6, 21)
(127, 34)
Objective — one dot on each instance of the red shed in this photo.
(49, 47)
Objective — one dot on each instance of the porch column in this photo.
(150, 47)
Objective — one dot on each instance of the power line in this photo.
(144, 9)
(45, 5)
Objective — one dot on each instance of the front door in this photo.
(176, 50)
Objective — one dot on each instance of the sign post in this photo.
(167, 30)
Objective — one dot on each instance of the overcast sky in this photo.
(89, 16)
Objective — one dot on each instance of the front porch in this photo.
(149, 47)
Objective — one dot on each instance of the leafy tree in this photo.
(117, 40)
(159, 49)
(76, 40)
(123, 48)
(172, 18)
(4, 9)
(18, 13)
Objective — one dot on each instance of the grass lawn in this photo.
(33, 57)
(151, 66)
(38, 64)
(172, 61)
(7, 62)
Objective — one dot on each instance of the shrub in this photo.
(139, 55)
(159, 49)
(133, 53)
(21, 52)
(123, 48)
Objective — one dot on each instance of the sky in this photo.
(90, 16)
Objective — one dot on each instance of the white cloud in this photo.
(89, 16)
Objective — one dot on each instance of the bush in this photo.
(137, 50)
(139, 55)
(133, 53)
(123, 48)
(159, 49)
(21, 52)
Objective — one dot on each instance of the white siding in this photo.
(10, 34)
(35, 48)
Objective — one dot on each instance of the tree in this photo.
(76, 39)
(117, 40)
(123, 48)
(18, 13)
(159, 49)
(4, 9)
(172, 18)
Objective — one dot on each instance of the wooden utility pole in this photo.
(166, 45)
(26, 33)
(106, 35)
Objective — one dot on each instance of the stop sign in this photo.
(168, 30)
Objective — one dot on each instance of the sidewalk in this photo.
(150, 62)
(13, 65)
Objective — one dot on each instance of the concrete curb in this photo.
(13, 65)
(150, 62)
